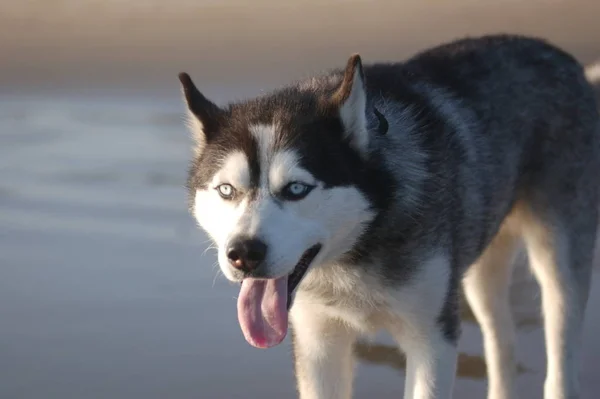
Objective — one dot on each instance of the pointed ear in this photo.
(351, 101)
(204, 116)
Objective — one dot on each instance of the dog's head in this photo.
(273, 183)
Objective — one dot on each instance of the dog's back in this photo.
(493, 121)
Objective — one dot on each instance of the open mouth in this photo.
(300, 270)
(263, 304)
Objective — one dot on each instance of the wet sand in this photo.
(107, 289)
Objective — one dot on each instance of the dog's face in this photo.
(271, 198)
(272, 182)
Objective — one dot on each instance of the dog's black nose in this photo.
(246, 254)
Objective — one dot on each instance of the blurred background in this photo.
(107, 289)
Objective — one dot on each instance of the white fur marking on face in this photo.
(285, 168)
(217, 216)
(235, 171)
(354, 116)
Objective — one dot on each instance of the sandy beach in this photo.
(107, 288)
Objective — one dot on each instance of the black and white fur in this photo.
(423, 176)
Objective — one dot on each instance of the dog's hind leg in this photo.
(560, 235)
(323, 354)
(486, 286)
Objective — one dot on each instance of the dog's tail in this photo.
(592, 73)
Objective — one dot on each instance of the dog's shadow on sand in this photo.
(469, 366)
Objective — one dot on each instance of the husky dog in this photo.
(364, 199)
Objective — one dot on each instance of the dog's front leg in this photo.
(323, 354)
(427, 328)
(430, 366)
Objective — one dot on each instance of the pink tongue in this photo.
(262, 311)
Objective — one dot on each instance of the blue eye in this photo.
(296, 191)
(226, 191)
